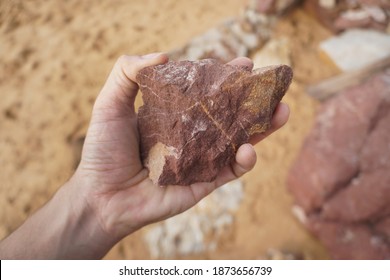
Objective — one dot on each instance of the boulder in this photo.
(341, 177)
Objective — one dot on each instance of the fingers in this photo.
(280, 118)
(244, 162)
(242, 61)
(132, 64)
(121, 83)
(246, 155)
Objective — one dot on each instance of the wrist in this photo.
(64, 228)
(83, 236)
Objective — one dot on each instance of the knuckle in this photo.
(122, 59)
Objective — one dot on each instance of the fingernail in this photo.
(152, 55)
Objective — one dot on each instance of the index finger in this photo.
(243, 62)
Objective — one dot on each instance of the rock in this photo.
(351, 241)
(345, 14)
(198, 229)
(232, 38)
(340, 179)
(197, 114)
(368, 46)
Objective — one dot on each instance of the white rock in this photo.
(356, 48)
(186, 233)
(376, 13)
(231, 39)
(355, 15)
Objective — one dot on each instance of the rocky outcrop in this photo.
(343, 14)
(341, 178)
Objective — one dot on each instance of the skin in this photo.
(110, 195)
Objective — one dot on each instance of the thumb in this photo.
(245, 161)
(118, 93)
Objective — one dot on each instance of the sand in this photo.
(54, 58)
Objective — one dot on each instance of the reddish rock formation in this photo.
(196, 115)
(341, 177)
(341, 15)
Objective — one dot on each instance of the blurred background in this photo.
(56, 55)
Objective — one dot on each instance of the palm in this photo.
(111, 157)
(111, 151)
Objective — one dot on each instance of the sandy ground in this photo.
(55, 56)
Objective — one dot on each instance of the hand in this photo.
(116, 184)
(110, 194)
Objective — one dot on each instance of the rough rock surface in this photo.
(341, 178)
(196, 115)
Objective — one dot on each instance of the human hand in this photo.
(110, 194)
(111, 178)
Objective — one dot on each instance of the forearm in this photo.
(65, 228)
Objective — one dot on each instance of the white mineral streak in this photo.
(186, 233)
(157, 158)
(191, 74)
(185, 118)
(199, 127)
(176, 74)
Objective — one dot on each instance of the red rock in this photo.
(196, 115)
(383, 228)
(341, 176)
(376, 151)
(351, 241)
(363, 200)
(330, 154)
